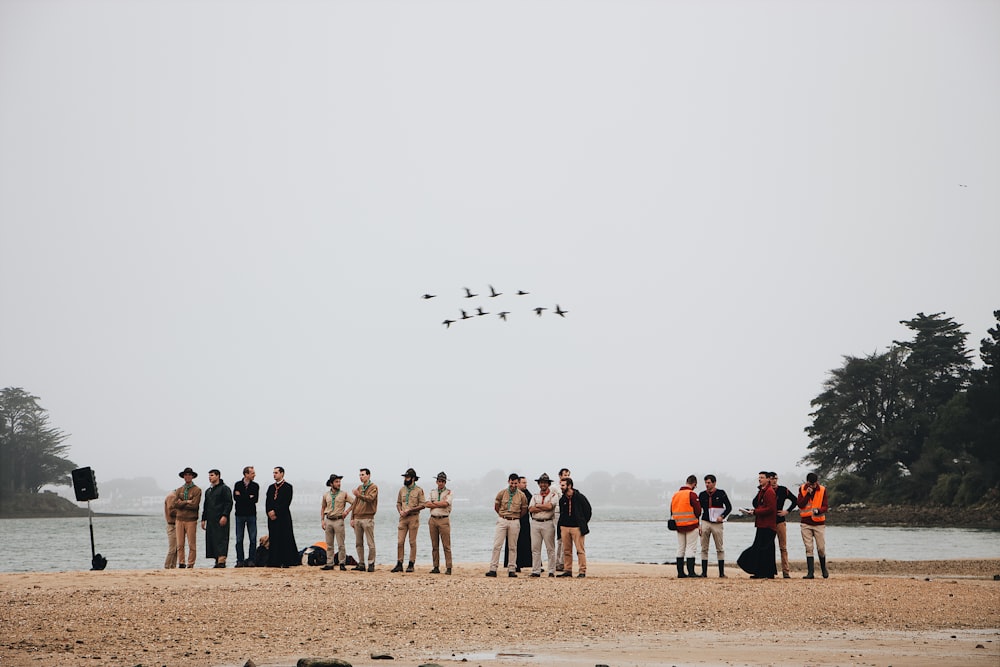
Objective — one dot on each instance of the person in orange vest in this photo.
(685, 510)
(813, 504)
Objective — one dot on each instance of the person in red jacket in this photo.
(758, 559)
(685, 510)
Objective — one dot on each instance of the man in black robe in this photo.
(282, 551)
(215, 518)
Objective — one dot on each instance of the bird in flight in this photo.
(447, 323)
(521, 292)
(538, 311)
(560, 312)
(428, 296)
(493, 292)
(481, 312)
(503, 315)
(468, 293)
(466, 316)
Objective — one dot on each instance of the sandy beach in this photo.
(869, 612)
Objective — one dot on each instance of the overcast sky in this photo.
(217, 219)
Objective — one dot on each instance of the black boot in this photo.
(409, 566)
(722, 569)
(680, 568)
(822, 567)
(810, 565)
(704, 569)
(399, 567)
(690, 564)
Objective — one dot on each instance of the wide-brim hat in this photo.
(544, 477)
(187, 471)
(333, 478)
(410, 472)
(441, 477)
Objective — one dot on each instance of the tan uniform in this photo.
(333, 510)
(509, 506)
(408, 499)
(439, 524)
(543, 530)
(170, 514)
(186, 505)
(364, 509)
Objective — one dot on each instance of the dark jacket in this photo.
(717, 499)
(575, 512)
(246, 498)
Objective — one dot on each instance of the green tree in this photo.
(875, 418)
(856, 418)
(936, 368)
(31, 451)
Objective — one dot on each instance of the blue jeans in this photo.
(251, 525)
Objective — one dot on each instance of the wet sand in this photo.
(869, 612)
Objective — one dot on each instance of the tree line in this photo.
(912, 424)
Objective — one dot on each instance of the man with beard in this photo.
(574, 524)
(409, 502)
(215, 518)
(282, 551)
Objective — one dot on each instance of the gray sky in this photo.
(217, 219)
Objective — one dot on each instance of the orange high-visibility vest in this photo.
(816, 502)
(681, 509)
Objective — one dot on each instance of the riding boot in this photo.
(704, 569)
(822, 567)
(680, 568)
(810, 566)
(690, 564)
(722, 569)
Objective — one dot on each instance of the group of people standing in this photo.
(217, 502)
(555, 517)
(706, 513)
(558, 519)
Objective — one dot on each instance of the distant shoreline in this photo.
(53, 506)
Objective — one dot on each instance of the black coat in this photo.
(580, 517)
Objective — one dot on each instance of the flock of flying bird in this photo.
(492, 295)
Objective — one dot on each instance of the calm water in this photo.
(617, 535)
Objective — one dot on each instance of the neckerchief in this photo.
(187, 487)
(510, 497)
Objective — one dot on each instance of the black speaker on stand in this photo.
(85, 487)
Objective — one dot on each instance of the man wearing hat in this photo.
(186, 503)
(409, 502)
(440, 523)
(332, 514)
(542, 509)
(510, 505)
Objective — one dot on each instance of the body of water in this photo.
(617, 535)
